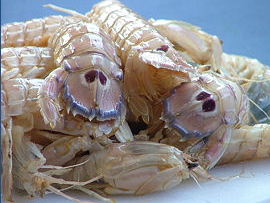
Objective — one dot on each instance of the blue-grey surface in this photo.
(243, 25)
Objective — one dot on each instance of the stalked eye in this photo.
(91, 76)
(202, 96)
(102, 78)
(209, 105)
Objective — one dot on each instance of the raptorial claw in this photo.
(49, 96)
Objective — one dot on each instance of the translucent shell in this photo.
(89, 75)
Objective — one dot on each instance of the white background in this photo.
(249, 183)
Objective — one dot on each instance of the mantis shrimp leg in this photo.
(6, 146)
(30, 171)
(137, 168)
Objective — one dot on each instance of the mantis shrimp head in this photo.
(197, 109)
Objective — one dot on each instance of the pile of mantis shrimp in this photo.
(109, 103)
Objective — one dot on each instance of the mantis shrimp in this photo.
(181, 92)
(25, 101)
(248, 141)
(203, 119)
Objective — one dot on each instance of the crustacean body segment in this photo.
(254, 77)
(202, 112)
(195, 107)
(88, 79)
(152, 67)
(207, 110)
(34, 32)
(230, 106)
(248, 143)
(26, 62)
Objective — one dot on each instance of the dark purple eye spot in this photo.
(209, 105)
(163, 48)
(102, 78)
(91, 76)
(202, 96)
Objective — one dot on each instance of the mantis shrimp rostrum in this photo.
(110, 103)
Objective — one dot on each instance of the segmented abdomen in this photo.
(27, 62)
(244, 70)
(254, 77)
(130, 31)
(247, 143)
(19, 96)
(34, 32)
(78, 39)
